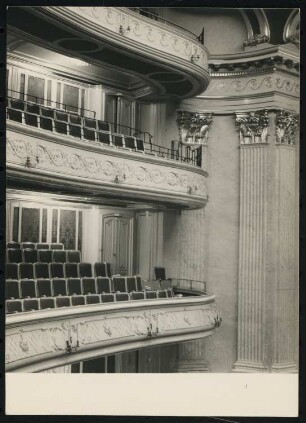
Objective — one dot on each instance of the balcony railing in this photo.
(145, 12)
(65, 122)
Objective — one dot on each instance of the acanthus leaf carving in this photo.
(286, 127)
(253, 127)
(193, 126)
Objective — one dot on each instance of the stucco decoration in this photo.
(47, 337)
(253, 127)
(286, 128)
(193, 126)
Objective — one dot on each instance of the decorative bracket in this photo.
(253, 127)
(286, 127)
(256, 39)
(193, 126)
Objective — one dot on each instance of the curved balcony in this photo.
(170, 60)
(43, 339)
(53, 161)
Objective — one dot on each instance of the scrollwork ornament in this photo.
(253, 127)
(286, 128)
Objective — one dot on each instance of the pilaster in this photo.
(267, 258)
(190, 358)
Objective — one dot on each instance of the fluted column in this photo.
(266, 277)
(190, 358)
(286, 317)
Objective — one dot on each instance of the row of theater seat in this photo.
(56, 270)
(32, 304)
(33, 288)
(70, 124)
(35, 245)
(29, 255)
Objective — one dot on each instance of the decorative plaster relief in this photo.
(49, 337)
(145, 31)
(286, 128)
(253, 127)
(258, 83)
(193, 126)
(66, 160)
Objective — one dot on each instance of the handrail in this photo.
(190, 284)
(179, 152)
(156, 17)
(48, 103)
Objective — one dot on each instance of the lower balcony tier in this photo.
(49, 161)
(43, 339)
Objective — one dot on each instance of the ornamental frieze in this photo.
(66, 160)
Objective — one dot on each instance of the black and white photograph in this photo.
(152, 192)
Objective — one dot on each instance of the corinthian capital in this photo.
(193, 126)
(253, 127)
(286, 127)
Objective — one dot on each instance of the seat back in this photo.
(160, 273)
(162, 294)
(15, 115)
(85, 270)
(75, 119)
(108, 268)
(33, 108)
(89, 134)
(117, 140)
(90, 123)
(104, 137)
(46, 123)
(12, 289)
(14, 306)
(43, 288)
(59, 287)
(89, 286)
(137, 296)
(25, 245)
(61, 116)
(74, 286)
(41, 270)
(44, 256)
(62, 302)
(119, 284)
(131, 284)
(47, 303)
(27, 288)
(73, 256)
(31, 119)
(17, 104)
(166, 284)
(26, 271)
(77, 300)
(56, 246)
(139, 286)
(107, 298)
(151, 294)
(13, 244)
(71, 270)
(29, 255)
(139, 145)
(30, 304)
(92, 299)
(42, 246)
(11, 271)
(130, 142)
(59, 256)
(100, 269)
(57, 270)
(14, 255)
(103, 126)
(46, 112)
(122, 296)
(103, 285)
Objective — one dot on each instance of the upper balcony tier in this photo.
(170, 61)
(54, 150)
